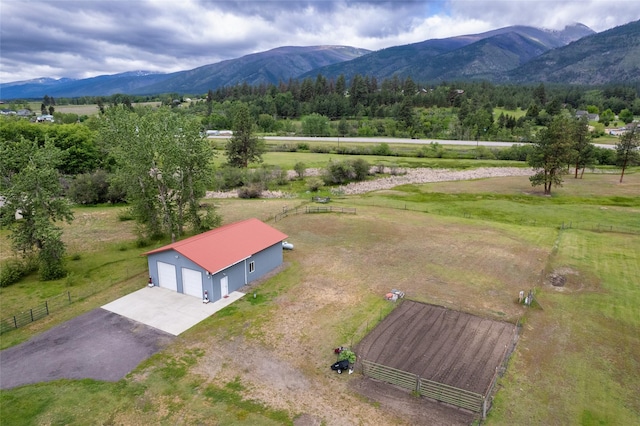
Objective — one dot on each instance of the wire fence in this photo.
(40, 311)
(517, 220)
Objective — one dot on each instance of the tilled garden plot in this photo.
(440, 344)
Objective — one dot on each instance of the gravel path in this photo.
(425, 175)
(402, 177)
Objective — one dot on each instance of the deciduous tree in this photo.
(33, 202)
(164, 163)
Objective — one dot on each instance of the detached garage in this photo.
(219, 261)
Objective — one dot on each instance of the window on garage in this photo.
(252, 267)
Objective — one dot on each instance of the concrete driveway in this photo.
(108, 342)
(167, 310)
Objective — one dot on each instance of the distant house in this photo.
(6, 111)
(219, 261)
(45, 118)
(219, 132)
(25, 113)
(621, 130)
(590, 117)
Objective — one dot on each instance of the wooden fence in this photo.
(312, 209)
(462, 398)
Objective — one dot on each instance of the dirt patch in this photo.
(441, 345)
(417, 411)
(557, 280)
(565, 279)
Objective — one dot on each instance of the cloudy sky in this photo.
(79, 39)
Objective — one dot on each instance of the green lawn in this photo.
(466, 245)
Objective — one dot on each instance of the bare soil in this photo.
(440, 344)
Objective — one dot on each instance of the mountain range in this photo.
(515, 54)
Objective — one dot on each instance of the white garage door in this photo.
(167, 276)
(192, 282)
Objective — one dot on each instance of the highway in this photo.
(337, 140)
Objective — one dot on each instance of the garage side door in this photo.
(167, 276)
(192, 282)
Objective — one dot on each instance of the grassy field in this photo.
(286, 161)
(463, 245)
(89, 109)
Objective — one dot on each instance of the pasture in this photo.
(265, 360)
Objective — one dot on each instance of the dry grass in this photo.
(332, 292)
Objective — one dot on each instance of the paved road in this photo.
(337, 140)
(98, 345)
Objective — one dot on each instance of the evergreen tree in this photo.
(628, 148)
(243, 148)
(551, 152)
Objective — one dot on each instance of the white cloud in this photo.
(78, 39)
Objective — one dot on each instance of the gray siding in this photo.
(180, 262)
(265, 261)
(238, 275)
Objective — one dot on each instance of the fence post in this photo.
(15, 322)
(46, 306)
(484, 408)
(31, 310)
(69, 296)
(417, 385)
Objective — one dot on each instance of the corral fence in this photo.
(312, 209)
(462, 398)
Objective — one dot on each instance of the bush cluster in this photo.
(339, 172)
(13, 270)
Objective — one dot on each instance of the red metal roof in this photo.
(225, 246)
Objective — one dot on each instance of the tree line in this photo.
(158, 160)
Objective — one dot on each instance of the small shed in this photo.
(219, 261)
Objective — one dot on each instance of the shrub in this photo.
(360, 168)
(90, 188)
(125, 215)
(484, 153)
(279, 175)
(227, 178)
(250, 191)
(314, 184)
(339, 172)
(300, 168)
(382, 149)
(515, 153)
(13, 270)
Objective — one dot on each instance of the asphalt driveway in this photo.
(98, 345)
(108, 342)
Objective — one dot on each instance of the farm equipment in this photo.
(346, 360)
(394, 295)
